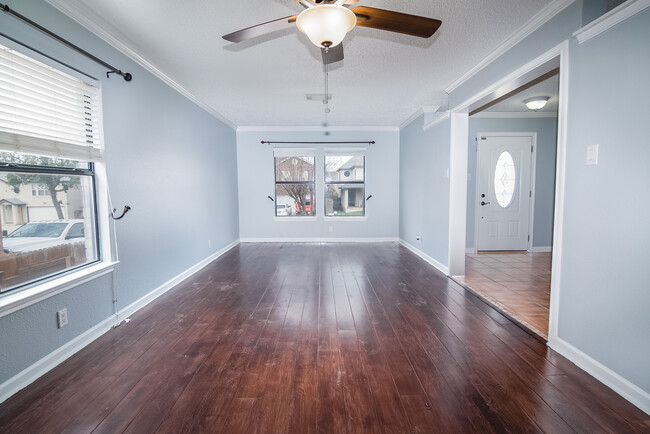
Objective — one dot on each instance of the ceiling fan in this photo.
(326, 22)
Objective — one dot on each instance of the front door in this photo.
(503, 202)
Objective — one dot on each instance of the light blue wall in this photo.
(546, 129)
(172, 162)
(256, 182)
(605, 287)
(424, 188)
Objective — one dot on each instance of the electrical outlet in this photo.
(62, 317)
(418, 238)
(331, 229)
(209, 244)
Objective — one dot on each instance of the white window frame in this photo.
(345, 152)
(13, 301)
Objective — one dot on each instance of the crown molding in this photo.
(421, 111)
(82, 17)
(513, 115)
(524, 31)
(441, 117)
(610, 19)
(316, 128)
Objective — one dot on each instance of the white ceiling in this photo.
(384, 78)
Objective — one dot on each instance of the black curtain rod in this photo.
(113, 70)
(318, 143)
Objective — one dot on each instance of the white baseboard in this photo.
(440, 267)
(61, 354)
(319, 240)
(611, 379)
(470, 250)
(541, 249)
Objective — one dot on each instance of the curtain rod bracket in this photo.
(127, 76)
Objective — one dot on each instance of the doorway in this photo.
(522, 279)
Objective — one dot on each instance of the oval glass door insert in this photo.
(505, 179)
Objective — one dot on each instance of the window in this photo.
(344, 185)
(294, 182)
(49, 146)
(505, 179)
(40, 190)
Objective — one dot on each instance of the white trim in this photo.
(160, 290)
(610, 19)
(470, 250)
(458, 156)
(437, 265)
(524, 31)
(560, 181)
(541, 249)
(438, 120)
(78, 15)
(320, 240)
(620, 385)
(533, 164)
(513, 76)
(58, 356)
(344, 218)
(515, 115)
(296, 218)
(316, 128)
(14, 301)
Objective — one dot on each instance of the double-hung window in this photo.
(49, 145)
(294, 182)
(344, 184)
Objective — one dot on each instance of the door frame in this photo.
(531, 205)
(557, 56)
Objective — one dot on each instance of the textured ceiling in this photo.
(384, 78)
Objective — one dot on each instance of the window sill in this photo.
(14, 301)
(346, 218)
(296, 219)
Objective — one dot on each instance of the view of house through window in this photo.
(344, 185)
(44, 234)
(294, 184)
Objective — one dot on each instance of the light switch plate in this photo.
(592, 155)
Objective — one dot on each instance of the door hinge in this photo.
(530, 194)
(531, 148)
(528, 238)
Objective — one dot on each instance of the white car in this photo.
(41, 235)
(283, 209)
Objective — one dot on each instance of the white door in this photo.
(503, 190)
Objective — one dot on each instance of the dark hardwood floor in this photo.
(327, 338)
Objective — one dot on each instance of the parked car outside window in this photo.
(283, 210)
(42, 235)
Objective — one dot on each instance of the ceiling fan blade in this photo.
(261, 29)
(382, 19)
(332, 54)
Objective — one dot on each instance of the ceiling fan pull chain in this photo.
(327, 96)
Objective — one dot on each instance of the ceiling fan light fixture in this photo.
(536, 103)
(326, 25)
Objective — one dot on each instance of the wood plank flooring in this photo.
(307, 338)
(518, 283)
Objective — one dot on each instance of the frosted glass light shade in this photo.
(326, 25)
(536, 103)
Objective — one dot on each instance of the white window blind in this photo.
(46, 112)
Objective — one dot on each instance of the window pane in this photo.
(294, 199)
(44, 234)
(294, 169)
(505, 179)
(342, 168)
(344, 200)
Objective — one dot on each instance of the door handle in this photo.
(483, 203)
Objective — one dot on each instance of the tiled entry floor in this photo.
(517, 282)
